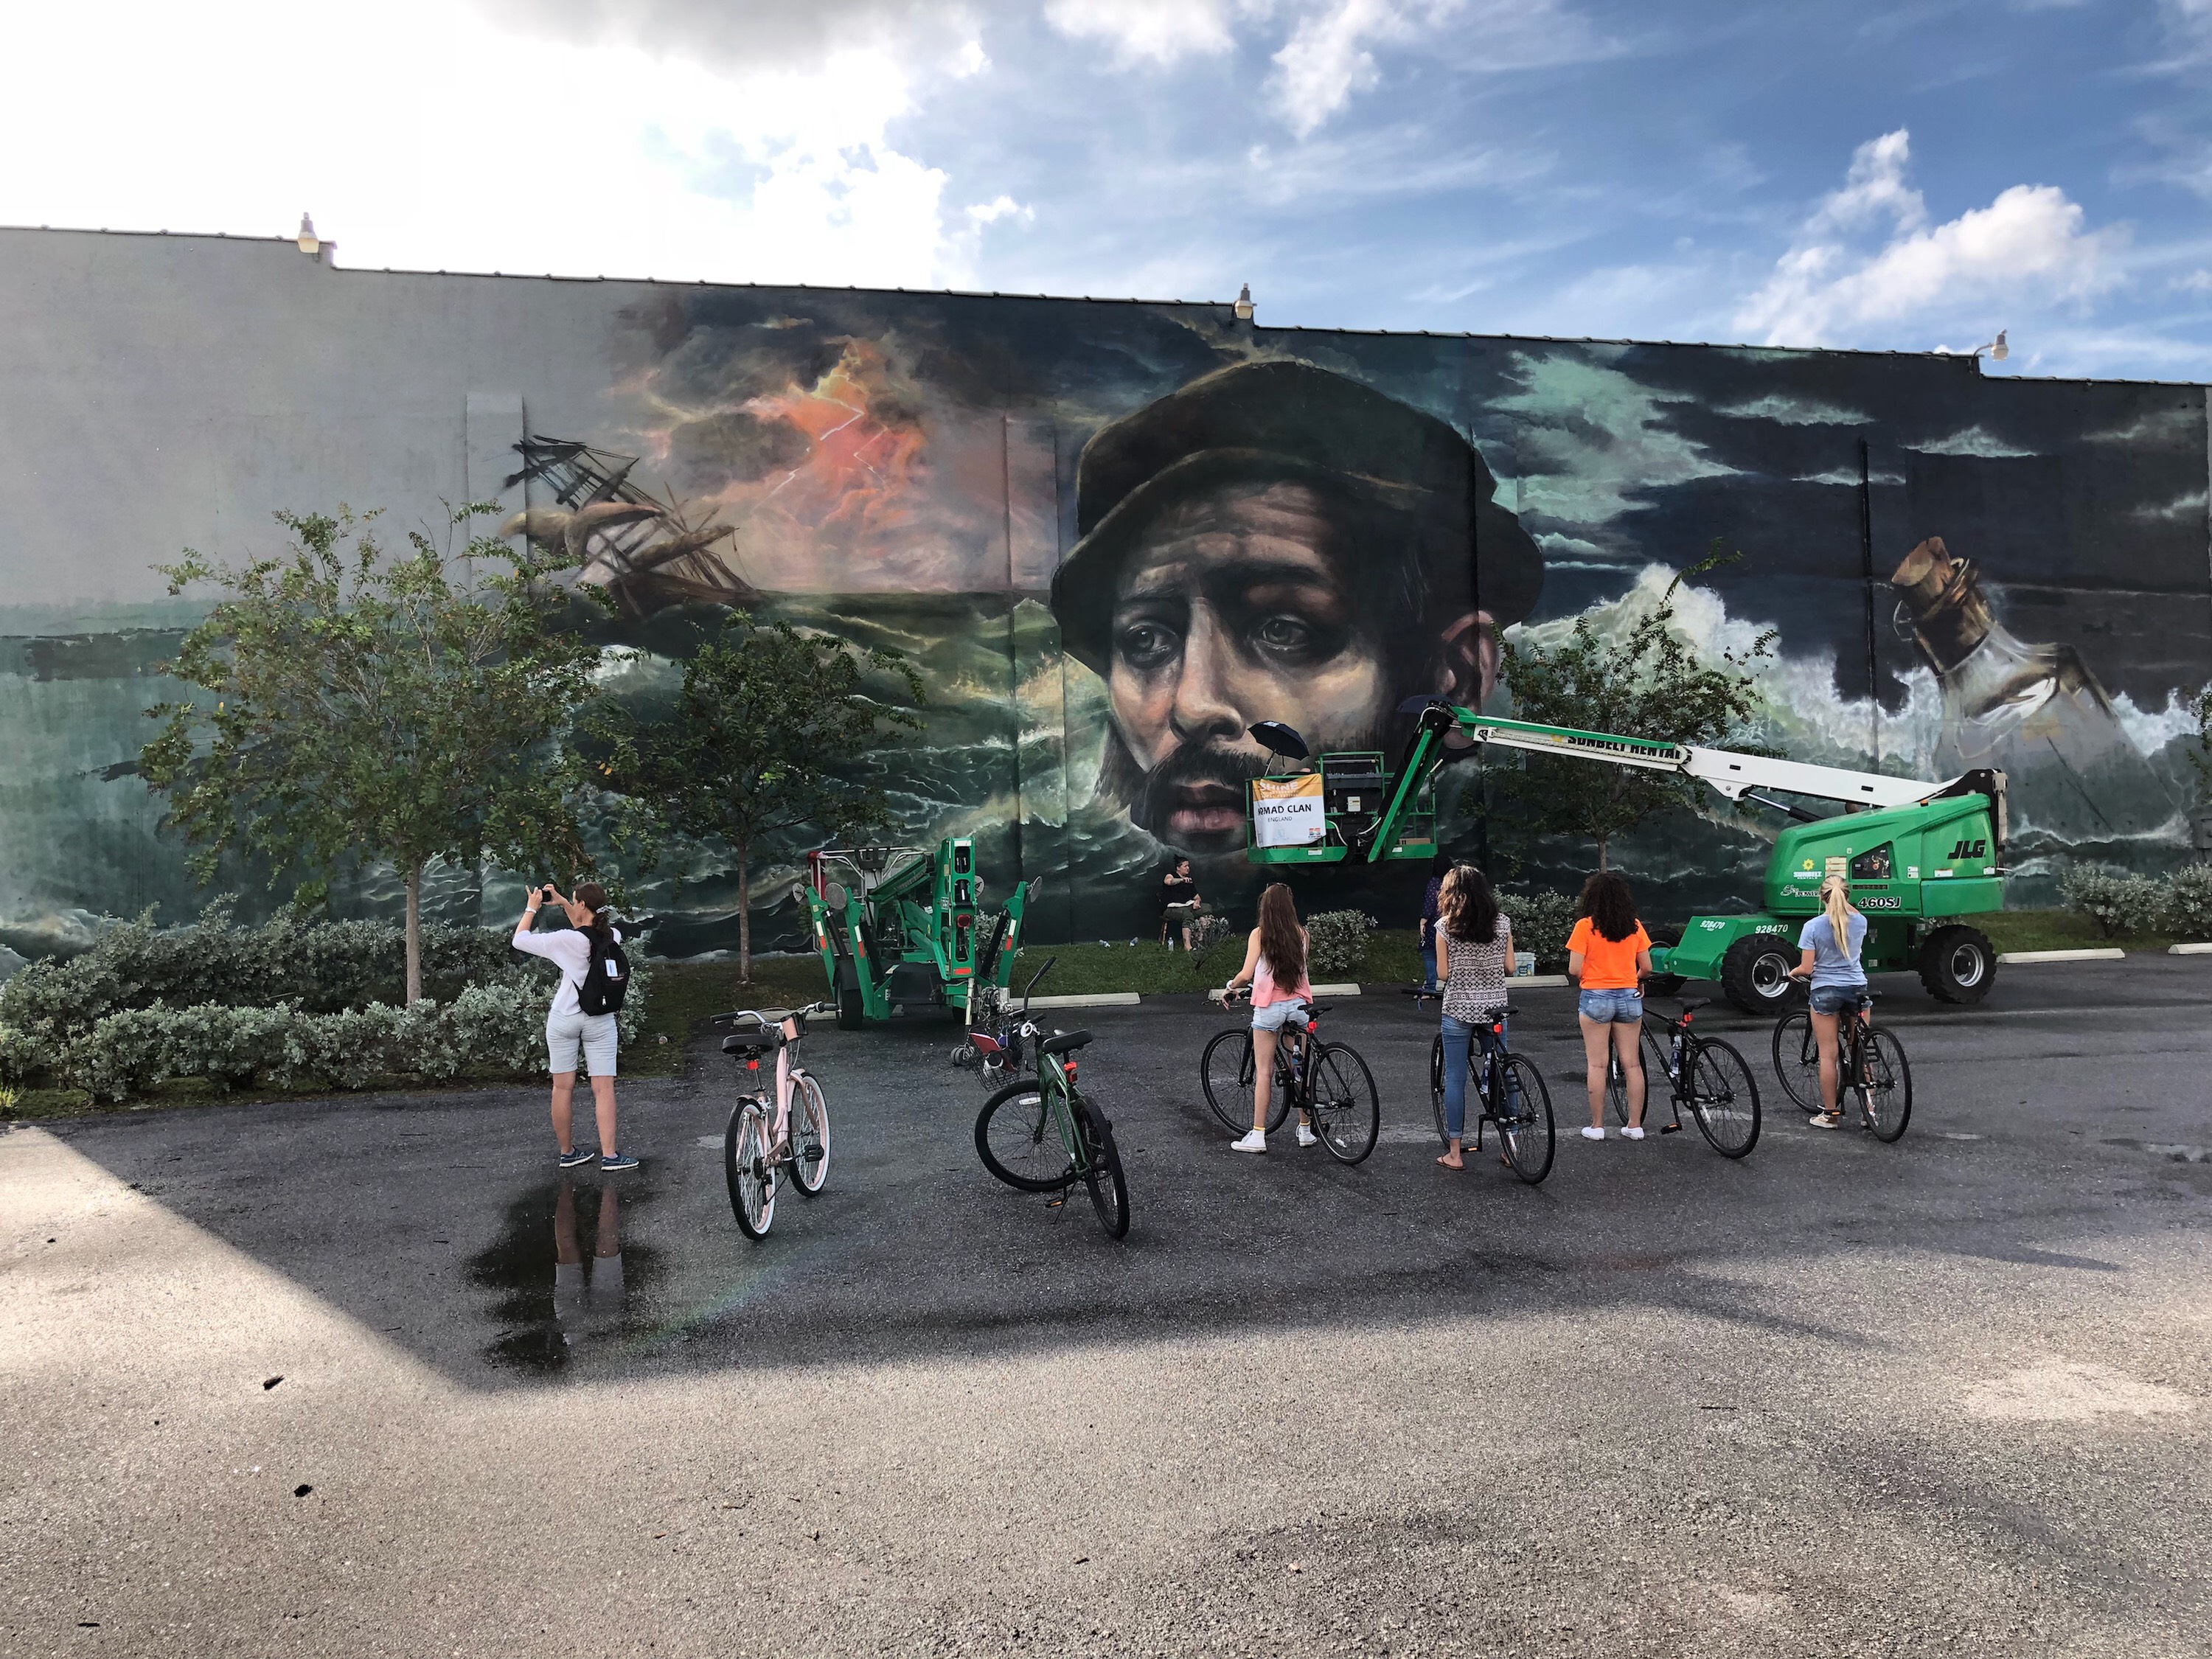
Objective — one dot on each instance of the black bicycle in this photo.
(1870, 1065)
(993, 1046)
(1326, 1081)
(1043, 1134)
(1509, 1092)
(1707, 1074)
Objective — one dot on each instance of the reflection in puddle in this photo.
(571, 1284)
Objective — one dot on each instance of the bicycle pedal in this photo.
(1670, 1128)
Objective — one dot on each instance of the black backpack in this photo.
(606, 981)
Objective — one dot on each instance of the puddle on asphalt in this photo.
(574, 1284)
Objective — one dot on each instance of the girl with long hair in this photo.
(1610, 953)
(1275, 968)
(568, 1029)
(1831, 942)
(1475, 955)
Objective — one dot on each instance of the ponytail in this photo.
(593, 895)
(1836, 905)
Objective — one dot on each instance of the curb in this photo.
(2189, 950)
(1096, 999)
(2024, 956)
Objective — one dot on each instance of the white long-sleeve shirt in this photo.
(569, 951)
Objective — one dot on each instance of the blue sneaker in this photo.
(571, 1160)
(614, 1162)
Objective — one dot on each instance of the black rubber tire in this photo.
(1958, 963)
(810, 1137)
(1017, 1127)
(1529, 1141)
(1347, 1111)
(851, 1011)
(1437, 1086)
(1102, 1159)
(1664, 985)
(748, 1127)
(1224, 1072)
(1797, 1060)
(1891, 1106)
(1756, 973)
(1655, 1078)
(1723, 1097)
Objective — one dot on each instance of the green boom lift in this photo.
(1918, 856)
(898, 933)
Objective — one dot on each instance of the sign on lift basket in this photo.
(1287, 811)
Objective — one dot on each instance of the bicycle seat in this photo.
(1063, 1043)
(1314, 1010)
(747, 1048)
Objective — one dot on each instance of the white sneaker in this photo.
(1631, 1133)
(1253, 1141)
(1593, 1134)
(1307, 1137)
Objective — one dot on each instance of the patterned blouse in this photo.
(1477, 984)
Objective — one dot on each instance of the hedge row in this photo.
(499, 1028)
(2121, 904)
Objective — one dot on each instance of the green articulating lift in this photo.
(1917, 856)
(899, 932)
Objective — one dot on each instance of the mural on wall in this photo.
(1114, 536)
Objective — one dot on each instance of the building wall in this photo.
(911, 468)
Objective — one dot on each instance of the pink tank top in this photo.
(1266, 992)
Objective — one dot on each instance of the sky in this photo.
(1909, 177)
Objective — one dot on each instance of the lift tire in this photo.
(851, 1014)
(1664, 985)
(1958, 963)
(1756, 973)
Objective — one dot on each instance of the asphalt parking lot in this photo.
(1948, 1395)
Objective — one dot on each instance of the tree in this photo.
(375, 708)
(1650, 684)
(766, 716)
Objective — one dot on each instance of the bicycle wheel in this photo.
(1224, 1072)
(1019, 1142)
(810, 1136)
(1347, 1113)
(1723, 1097)
(1887, 1091)
(1524, 1128)
(1797, 1060)
(1655, 1083)
(1436, 1087)
(752, 1183)
(1102, 1168)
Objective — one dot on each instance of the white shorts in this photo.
(592, 1033)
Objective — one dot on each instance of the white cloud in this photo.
(1590, 439)
(2189, 508)
(998, 208)
(1974, 441)
(1158, 32)
(1796, 411)
(496, 150)
(2029, 247)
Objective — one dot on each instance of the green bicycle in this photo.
(1041, 1134)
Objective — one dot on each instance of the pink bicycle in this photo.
(763, 1146)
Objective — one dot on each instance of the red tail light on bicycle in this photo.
(752, 1065)
(1313, 1025)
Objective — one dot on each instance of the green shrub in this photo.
(1337, 944)
(486, 1028)
(2118, 903)
(2189, 901)
(1542, 922)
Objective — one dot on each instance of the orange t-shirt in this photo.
(1608, 964)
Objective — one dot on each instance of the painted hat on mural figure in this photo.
(1396, 476)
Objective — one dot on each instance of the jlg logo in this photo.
(1971, 849)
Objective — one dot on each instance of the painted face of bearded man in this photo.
(1277, 543)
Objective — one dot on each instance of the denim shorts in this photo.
(1277, 1015)
(1614, 1007)
(1836, 999)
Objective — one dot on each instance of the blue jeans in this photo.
(1428, 965)
(1459, 1036)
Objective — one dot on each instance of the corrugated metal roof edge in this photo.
(1096, 300)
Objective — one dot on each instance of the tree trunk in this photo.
(414, 936)
(744, 920)
(1600, 852)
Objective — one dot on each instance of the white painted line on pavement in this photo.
(2023, 957)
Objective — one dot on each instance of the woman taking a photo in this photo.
(1610, 953)
(1475, 955)
(568, 1029)
(1831, 942)
(1275, 968)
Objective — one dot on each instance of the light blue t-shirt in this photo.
(1830, 965)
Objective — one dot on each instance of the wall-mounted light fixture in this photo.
(310, 243)
(1244, 303)
(1997, 348)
